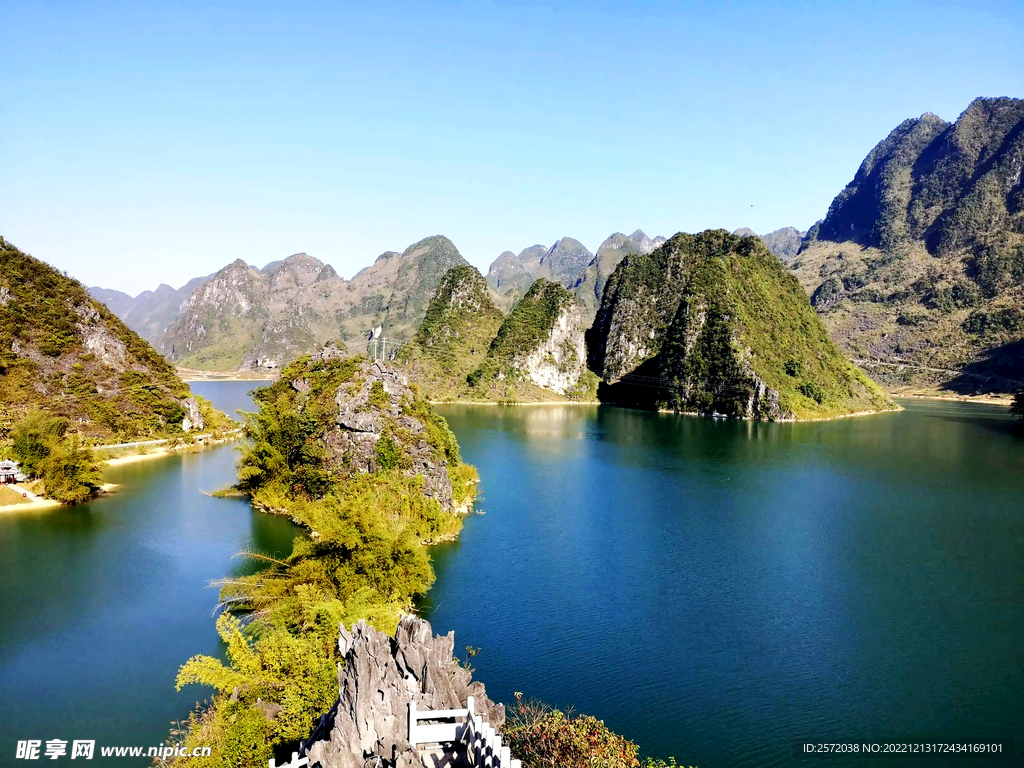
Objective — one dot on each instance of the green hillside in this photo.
(712, 323)
(64, 352)
(457, 329)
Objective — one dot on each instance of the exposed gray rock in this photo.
(352, 445)
(193, 418)
(380, 675)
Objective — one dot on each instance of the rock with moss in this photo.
(712, 323)
(369, 419)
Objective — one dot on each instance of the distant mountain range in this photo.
(918, 267)
(917, 270)
(245, 318)
(567, 262)
(784, 243)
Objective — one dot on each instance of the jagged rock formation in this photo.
(538, 348)
(62, 350)
(511, 275)
(712, 323)
(150, 313)
(920, 259)
(451, 342)
(395, 290)
(589, 286)
(378, 679)
(378, 404)
(246, 318)
(567, 262)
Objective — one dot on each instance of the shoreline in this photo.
(1005, 401)
(188, 375)
(897, 409)
(34, 502)
(515, 405)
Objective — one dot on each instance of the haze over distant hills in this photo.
(920, 260)
(784, 243)
(242, 317)
(567, 262)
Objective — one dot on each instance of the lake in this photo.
(101, 603)
(713, 590)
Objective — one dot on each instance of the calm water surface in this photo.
(715, 590)
(101, 603)
(712, 590)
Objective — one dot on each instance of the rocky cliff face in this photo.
(920, 260)
(712, 323)
(558, 362)
(538, 348)
(380, 676)
(63, 351)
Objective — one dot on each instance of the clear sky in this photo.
(149, 142)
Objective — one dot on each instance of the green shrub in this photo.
(542, 737)
(378, 398)
(811, 390)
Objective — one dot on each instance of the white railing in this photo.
(483, 743)
(295, 762)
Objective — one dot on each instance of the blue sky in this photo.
(149, 142)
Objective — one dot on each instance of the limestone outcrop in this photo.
(712, 323)
(378, 678)
(373, 406)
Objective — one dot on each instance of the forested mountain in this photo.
(538, 352)
(465, 349)
(453, 338)
(919, 263)
(63, 352)
(713, 323)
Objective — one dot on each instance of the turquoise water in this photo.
(101, 603)
(715, 590)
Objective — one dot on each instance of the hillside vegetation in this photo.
(363, 463)
(919, 263)
(73, 376)
(63, 352)
(712, 323)
(457, 329)
(538, 352)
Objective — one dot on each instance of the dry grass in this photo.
(9, 497)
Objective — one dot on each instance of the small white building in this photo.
(10, 472)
